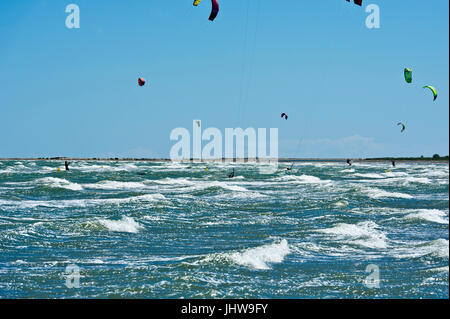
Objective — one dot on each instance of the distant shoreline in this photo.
(281, 160)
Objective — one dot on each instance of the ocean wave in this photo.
(201, 184)
(369, 175)
(103, 167)
(377, 193)
(175, 182)
(429, 215)
(113, 185)
(363, 234)
(70, 203)
(59, 183)
(442, 173)
(438, 248)
(302, 179)
(125, 225)
(261, 257)
(224, 185)
(257, 258)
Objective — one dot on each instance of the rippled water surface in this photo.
(173, 230)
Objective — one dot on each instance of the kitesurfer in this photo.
(349, 162)
(393, 163)
(66, 164)
(231, 175)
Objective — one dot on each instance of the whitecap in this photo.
(59, 183)
(112, 185)
(363, 234)
(125, 225)
(261, 257)
(430, 215)
(377, 193)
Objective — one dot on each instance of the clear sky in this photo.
(73, 92)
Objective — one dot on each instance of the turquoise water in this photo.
(175, 230)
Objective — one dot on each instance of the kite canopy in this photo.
(284, 115)
(408, 75)
(432, 90)
(358, 2)
(403, 126)
(141, 82)
(214, 10)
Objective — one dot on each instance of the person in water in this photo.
(232, 174)
(393, 163)
(349, 162)
(290, 168)
(66, 164)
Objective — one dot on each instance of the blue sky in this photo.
(74, 92)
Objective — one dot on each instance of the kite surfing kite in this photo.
(141, 82)
(408, 75)
(403, 126)
(432, 90)
(214, 10)
(284, 115)
(358, 2)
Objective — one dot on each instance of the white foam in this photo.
(363, 234)
(369, 175)
(175, 181)
(303, 179)
(437, 248)
(377, 193)
(112, 185)
(261, 257)
(430, 215)
(59, 183)
(442, 173)
(412, 180)
(226, 186)
(104, 167)
(125, 225)
(28, 204)
(340, 203)
(201, 184)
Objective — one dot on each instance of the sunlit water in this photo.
(175, 230)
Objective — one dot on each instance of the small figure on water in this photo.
(393, 163)
(349, 162)
(66, 164)
(232, 174)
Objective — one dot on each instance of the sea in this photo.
(167, 230)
